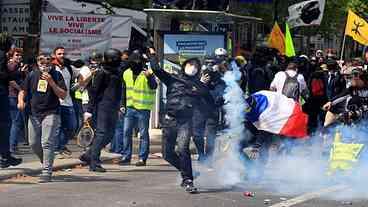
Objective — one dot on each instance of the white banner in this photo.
(79, 34)
(121, 31)
(306, 13)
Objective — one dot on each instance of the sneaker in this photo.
(124, 162)
(10, 161)
(97, 168)
(4, 163)
(44, 178)
(188, 186)
(140, 163)
(84, 158)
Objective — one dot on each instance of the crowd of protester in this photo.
(48, 102)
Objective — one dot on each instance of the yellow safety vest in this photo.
(82, 96)
(343, 156)
(78, 94)
(138, 93)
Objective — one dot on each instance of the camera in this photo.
(211, 68)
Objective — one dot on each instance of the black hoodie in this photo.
(183, 92)
(106, 89)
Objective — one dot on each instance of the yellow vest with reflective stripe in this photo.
(78, 94)
(138, 93)
(82, 95)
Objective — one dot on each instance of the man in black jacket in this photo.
(104, 100)
(352, 103)
(336, 83)
(5, 123)
(183, 93)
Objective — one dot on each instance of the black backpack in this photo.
(291, 87)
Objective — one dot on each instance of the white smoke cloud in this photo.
(227, 164)
(306, 168)
(303, 170)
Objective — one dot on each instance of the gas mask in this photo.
(190, 70)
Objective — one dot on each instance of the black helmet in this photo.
(112, 57)
(78, 63)
(96, 56)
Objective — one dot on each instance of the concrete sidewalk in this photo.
(31, 164)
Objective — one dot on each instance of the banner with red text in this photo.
(79, 34)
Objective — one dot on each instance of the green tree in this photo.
(333, 21)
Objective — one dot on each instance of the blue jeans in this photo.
(78, 108)
(118, 140)
(17, 124)
(133, 118)
(67, 128)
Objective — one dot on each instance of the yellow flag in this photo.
(277, 39)
(289, 45)
(357, 28)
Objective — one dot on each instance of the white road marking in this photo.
(309, 196)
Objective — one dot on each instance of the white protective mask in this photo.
(44, 68)
(190, 70)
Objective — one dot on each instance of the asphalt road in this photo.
(157, 186)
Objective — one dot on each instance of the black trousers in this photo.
(178, 131)
(106, 119)
(5, 124)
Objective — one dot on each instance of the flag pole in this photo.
(343, 48)
(344, 40)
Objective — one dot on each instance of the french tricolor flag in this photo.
(275, 113)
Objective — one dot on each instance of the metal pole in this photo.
(1, 19)
(343, 48)
(275, 11)
(194, 4)
(343, 42)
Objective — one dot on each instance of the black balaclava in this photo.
(136, 63)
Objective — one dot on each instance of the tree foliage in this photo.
(333, 21)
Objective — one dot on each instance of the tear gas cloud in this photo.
(226, 161)
(306, 168)
(303, 170)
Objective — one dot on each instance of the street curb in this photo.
(70, 163)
